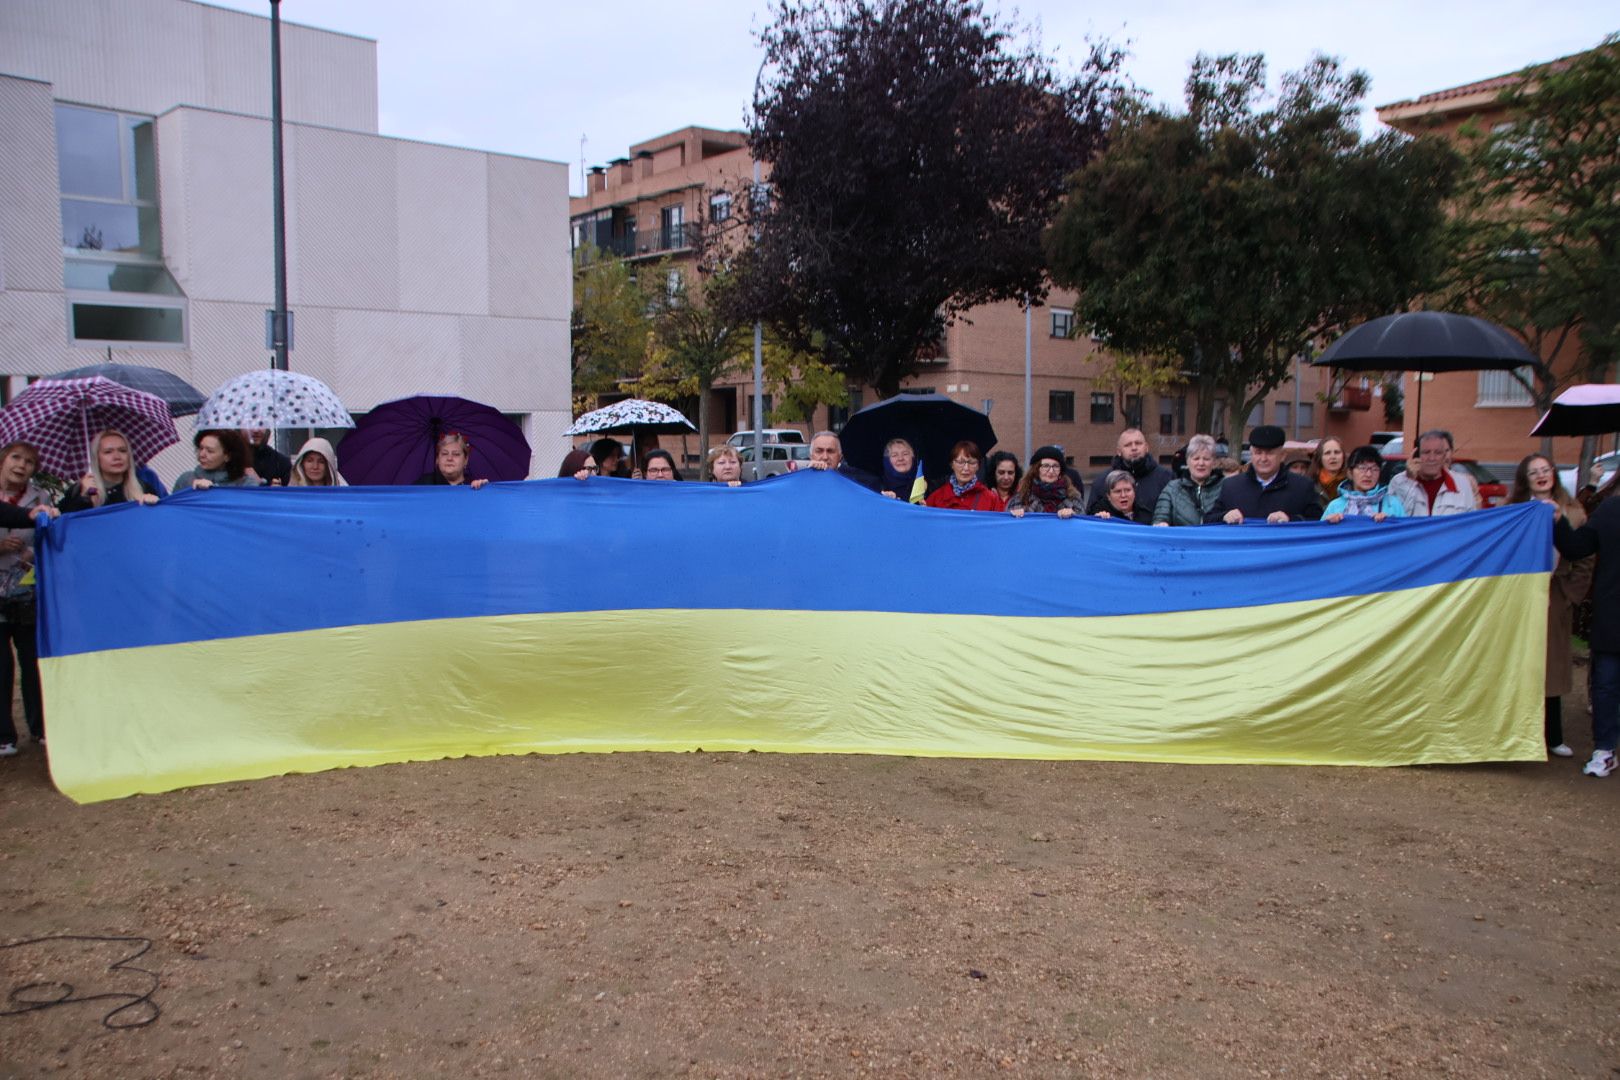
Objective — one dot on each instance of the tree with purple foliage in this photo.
(917, 150)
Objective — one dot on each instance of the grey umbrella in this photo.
(181, 397)
(1426, 341)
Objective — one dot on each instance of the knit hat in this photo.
(1045, 453)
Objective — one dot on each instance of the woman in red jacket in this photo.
(964, 490)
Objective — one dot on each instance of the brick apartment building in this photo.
(647, 206)
(1490, 412)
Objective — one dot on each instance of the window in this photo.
(117, 287)
(1257, 415)
(674, 285)
(1285, 413)
(1307, 414)
(1133, 410)
(720, 206)
(672, 227)
(1102, 408)
(1502, 389)
(107, 172)
(1172, 415)
(766, 413)
(1062, 323)
(1060, 407)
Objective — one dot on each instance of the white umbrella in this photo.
(273, 399)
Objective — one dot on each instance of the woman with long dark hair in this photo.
(1537, 480)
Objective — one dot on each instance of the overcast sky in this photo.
(531, 79)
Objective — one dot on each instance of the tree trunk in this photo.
(703, 417)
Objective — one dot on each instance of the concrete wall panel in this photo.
(348, 222)
(442, 223)
(147, 56)
(30, 215)
(529, 272)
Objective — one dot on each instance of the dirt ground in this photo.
(756, 915)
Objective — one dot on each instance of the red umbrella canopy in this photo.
(396, 442)
(61, 416)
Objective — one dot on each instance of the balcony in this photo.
(1352, 399)
(645, 245)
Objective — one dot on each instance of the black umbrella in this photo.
(1426, 341)
(181, 397)
(931, 423)
(1587, 409)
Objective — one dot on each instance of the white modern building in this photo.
(135, 218)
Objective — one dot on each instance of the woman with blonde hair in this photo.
(1537, 480)
(724, 466)
(315, 465)
(111, 478)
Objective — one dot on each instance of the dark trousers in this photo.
(1605, 675)
(22, 639)
(1552, 724)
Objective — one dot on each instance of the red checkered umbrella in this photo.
(61, 416)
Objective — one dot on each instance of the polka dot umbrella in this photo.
(273, 399)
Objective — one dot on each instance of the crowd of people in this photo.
(1208, 489)
(1211, 488)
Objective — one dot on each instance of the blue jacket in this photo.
(1353, 503)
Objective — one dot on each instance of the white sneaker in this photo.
(1602, 763)
(1561, 750)
(8, 749)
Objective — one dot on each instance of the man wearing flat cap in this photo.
(1265, 490)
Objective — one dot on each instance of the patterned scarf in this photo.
(960, 488)
(1050, 496)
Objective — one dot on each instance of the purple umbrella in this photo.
(395, 443)
(61, 416)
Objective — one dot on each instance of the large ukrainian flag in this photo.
(230, 634)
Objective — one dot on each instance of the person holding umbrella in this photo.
(964, 490)
(111, 479)
(1435, 489)
(901, 477)
(450, 459)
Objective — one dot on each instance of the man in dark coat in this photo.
(271, 464)
(1266, 490)
(827, 453)
(1600, 536)
(1133, 457)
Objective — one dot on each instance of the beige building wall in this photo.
(412, 268)
(147, 56)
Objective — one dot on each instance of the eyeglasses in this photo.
(964, 461)
(1366, 465)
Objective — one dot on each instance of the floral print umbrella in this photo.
(632, 414)
(61, 416)
(273, 399)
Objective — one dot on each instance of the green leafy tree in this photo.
(917, 148)
(612, 325)
(1235, 233)
(698, 342)
(1538, 221)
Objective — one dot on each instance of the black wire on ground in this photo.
(64, 993)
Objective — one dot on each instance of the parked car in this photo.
(776, 457)
(1607, 462)
(1393, 448)
(771, 435)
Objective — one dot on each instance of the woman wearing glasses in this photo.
(964, 490)
(1362, 495)
(1046, 488)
